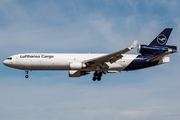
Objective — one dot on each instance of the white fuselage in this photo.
(81, 64)
(51, 61)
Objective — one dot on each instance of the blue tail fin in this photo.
(162, 38)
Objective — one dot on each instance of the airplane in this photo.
(82, 64)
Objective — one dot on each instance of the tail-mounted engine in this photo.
(155, 50)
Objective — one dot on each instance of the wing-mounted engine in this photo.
(76, 65)
(77, 73)
(75, 69)
(155, 50)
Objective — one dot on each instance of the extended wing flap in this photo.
(110, 57)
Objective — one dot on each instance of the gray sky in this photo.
(96, 26)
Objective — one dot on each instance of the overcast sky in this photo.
(83, 26)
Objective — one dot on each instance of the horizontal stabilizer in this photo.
(161, 56)
(171, 47)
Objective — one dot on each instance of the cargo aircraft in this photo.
(82, 64)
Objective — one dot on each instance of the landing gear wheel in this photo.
(99, 78)
(100, 74)
(26, 76)
(94, 78)
(96, 74)
(26, 71)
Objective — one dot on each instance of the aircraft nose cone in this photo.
(5, 62)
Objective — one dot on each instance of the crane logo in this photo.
(161, 39)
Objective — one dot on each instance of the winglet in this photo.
(133, 45)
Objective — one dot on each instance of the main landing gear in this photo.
(27, 76)
(97, 76)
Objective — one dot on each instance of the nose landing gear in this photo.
(97, 76)
(27, 76)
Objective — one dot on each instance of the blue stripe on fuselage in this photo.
(141, 62)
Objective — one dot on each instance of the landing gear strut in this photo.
(97, 76)
(27, 76)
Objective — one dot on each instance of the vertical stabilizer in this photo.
(162, 38)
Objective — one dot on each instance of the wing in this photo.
(110, 57)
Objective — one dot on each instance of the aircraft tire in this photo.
(95, 74)
(26, 76)
(100, 74)
(94, 78)
(99, 78)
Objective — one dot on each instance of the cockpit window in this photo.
(9, 58)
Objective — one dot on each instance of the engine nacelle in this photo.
(77, 73)
(153, 50)
(76, 65)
